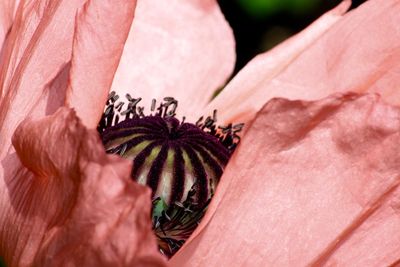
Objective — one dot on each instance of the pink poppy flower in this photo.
(311, 183)
(64, 202)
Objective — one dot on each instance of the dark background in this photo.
(259, 25)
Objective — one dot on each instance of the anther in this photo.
(181, 162)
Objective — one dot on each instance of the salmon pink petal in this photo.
(100, 33)
(180, 49)
(7, 12)
(312, 183)
(356, 52)
(35, 56)
(70, 204)
(339, 64)
(35, 72)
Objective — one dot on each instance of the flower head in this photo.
(312, 182)
(181, 162)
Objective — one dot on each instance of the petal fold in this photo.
(338, 53)
(36, 52)
(311, 184)
(7, 12)
(70, 204)
(100, 34)
(180, 49)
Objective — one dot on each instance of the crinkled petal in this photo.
(356, 52)
(37, 50)
(311, 183)
(70, 204)
(180, 49)
(361, 53)
(38, 67)
(100, 34)
(7, 12)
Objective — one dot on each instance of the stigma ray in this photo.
(181, 162)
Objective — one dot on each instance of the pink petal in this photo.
(35, 58)
(7, 12)
(311, 183)
(182, 49)
(356, 52)
(36, 66)
(101, 31)
(70, 204)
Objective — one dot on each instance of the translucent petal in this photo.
(35, 55)
(181, 49)
(100, 34)
(355, 52)
(7, 12)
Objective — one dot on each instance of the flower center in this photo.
(181, 162)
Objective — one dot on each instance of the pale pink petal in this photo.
(361, 53)
(311, 183)
(101, 31)
(7, 12)
(36, 67)
(36, 54)
(70, 204)
(356, 52)
(181, 49)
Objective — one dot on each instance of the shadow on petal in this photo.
(71, 204)
(311, 183)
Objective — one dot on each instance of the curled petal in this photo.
(360, 53)
(70, 204)
(312, 183)
(37, 63)
(100, 34)
(355, 52)
(35, 55)
(7, 12)
(186, 55)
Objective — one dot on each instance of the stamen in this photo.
(181, 162)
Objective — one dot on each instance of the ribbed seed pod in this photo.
(169, 157)
(180, 162)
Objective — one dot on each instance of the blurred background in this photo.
(261, 24)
